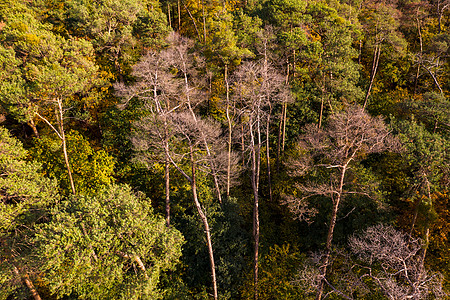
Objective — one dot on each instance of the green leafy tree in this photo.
(24, 196)
(426, 155)
(92, 168)
(106, 246)
(116, 27)
(381, 26)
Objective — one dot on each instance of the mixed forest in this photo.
(234, 149)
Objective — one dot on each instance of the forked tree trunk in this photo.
(376, 59)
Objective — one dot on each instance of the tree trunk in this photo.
(26, 279)
(205, 224)
(167, 186)
(179, 16)
(269, 175)
(33, 127)
(168, 14)
(229, 131)
(205, 143)
(255, 187)
(421, 52)
(204, 22)
(376, 59)
(63, 138)
(193, 21)
(323, 268)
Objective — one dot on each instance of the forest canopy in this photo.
(263, 149)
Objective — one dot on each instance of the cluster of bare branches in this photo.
(392, 261)
(382, 261)
(349, 137)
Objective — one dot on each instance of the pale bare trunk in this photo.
(321, 112)
(269, 175)
(167, 183)
(323, 268)
(204, 22)
(205, 224)
(421, 52)
(283, 139)
(376, 59)
(26, 279)
(205, 143)
(63, 138)
(168, 14)
(229, 132)
(179, 15)
(255, 184)
(434, 79)
(193, 21)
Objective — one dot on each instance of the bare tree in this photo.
(349, 136)
(157, 89)
(391, 260)
(168, 84)
(382, 262)
(257, 87)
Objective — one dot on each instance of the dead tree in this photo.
(156, 87)
(257, 86)
(349, 136)
(391, 260)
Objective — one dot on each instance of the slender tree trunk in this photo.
(434, 79)
(421, 52)
(376, 59)
(63, 138)
(193, 21)
(269, 175)
(179, 16)
(205, 143)
(204, 22)
(255, 184)
(205, 224)
(321, 113)
(323, 268)
(167, 186)
(26, 279)
(282, 124)
(168, 14)
(280, 127)
(283, 139)
(229, 131)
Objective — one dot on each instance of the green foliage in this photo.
(106, 246)
(92, 168)
(231, 246)
(277, 275)
(24, 196)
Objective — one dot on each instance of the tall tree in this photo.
(349, 136)
(104, 246)
(380, 22)
(257, 86)
(55, 73)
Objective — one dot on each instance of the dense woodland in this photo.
(202, 149)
